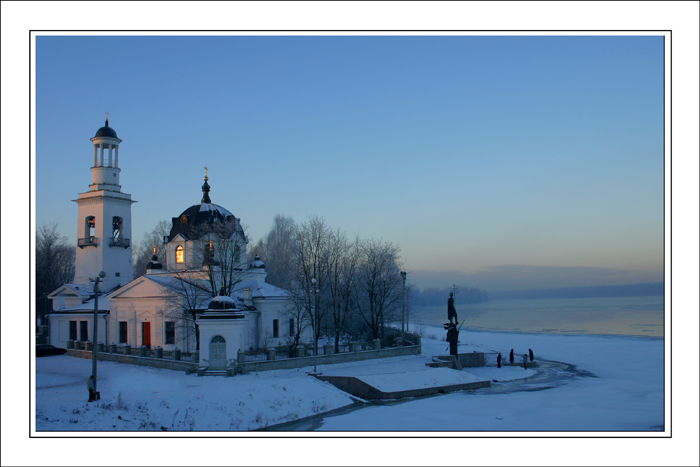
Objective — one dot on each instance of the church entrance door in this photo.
(217, 353)
(146, 332)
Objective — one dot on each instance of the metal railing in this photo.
(122, 242)
(87, 241)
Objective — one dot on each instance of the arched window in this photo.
(179, 254)
(117, 223)
(116, 230)
(89, 226)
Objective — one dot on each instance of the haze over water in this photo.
(630, 316)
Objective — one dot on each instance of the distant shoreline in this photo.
(605, 291)
(554, 333)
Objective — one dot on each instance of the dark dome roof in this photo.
(257, 263)
(222, 302)
(199, 215)
(106, 131)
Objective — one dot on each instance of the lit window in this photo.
(179, 254)
(90, 226)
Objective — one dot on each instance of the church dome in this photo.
(257, 263)
(222, 302)
(106, 131)
(193, 219)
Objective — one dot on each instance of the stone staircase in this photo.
(207, 372)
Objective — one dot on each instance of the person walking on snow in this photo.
(525, 361)
(91, 388)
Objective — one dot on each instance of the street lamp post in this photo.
(313, 281)
(403, 307)
(94, 330)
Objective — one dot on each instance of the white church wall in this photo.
(59, 328)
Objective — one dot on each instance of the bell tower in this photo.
(104, 218)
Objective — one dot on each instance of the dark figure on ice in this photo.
(532, 355)
(451, 312)
(525, 361)
(498, 360)
(512, 359)
(91, 388)
(452, 338)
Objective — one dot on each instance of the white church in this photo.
(160, 308)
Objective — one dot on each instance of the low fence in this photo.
(355, 354)
(177, 365)
(155, 358)
(271, 359)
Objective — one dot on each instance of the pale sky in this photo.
(510, 161)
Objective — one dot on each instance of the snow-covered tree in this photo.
(378, 287)
(55, 264)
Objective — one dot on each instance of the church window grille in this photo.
(291, 326)
(169, 332)
(275, 328)
(123, 332)
(179, 254)
(83, 331)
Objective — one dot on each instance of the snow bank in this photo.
(146, 399)
(623, 390)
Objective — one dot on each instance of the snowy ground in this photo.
(616, 389)
(620, 387)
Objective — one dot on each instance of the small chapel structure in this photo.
(206, 297)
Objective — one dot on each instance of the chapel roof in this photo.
(106, 131)
(192, 219)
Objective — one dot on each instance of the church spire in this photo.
(205, 188)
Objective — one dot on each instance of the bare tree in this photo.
(343, 258)
(222, 245)
(190, 296)
(378, 289)
(298, 312)
(144, 253)
(55, 264)
(310, 258)
(275, 249)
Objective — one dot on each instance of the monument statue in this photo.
(452, 337)
(451, 312)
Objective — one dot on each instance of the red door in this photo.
(146, 333)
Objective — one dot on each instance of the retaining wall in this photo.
(188, 367)
(290, 363)
(284, 364)
(359, 388)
